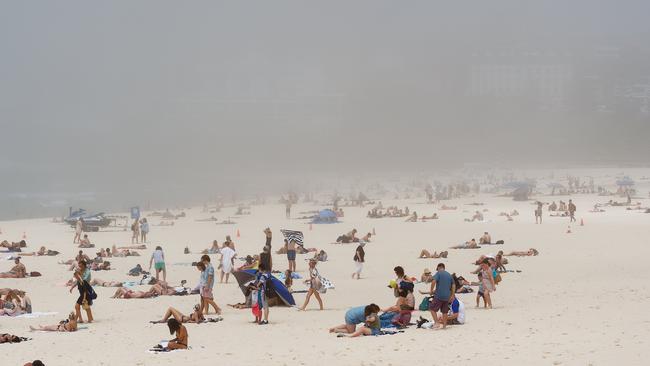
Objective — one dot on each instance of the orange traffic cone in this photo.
(238, 235)
(582, 222)
(569, 230)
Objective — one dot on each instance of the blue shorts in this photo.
(291, 255)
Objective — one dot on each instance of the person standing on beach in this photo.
(291, 254)
(79, 227)
(158, 258)
(315, 285)
(538, 213)
(82, 282)
(287, 209)
(207, 285)
(144, 229)
(227, 261)
(135, 231)
(442, 289)
(359, 259)
(572, 211)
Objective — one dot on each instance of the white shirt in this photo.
(461, 312)
(158, 256)
(227, 255)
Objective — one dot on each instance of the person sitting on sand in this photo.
(354, 316)
(552, 207)
(426, 254)
(15, 303)
(485, 239)
(214, 249)
(85, 242)
(195, 317)
(17, 271)
(478, 216)
(180, 342)
(426, 277)
(251, 263)
(530, 252)
(98, 282)
(321, 256)
(413, 217)
(467, 245)
(68, 325)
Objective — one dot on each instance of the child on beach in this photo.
(479, 294)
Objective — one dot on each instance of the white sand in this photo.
(583, 300)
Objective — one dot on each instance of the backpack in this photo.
(424, 305)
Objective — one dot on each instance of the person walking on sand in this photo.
(442, 289)
(158, 258)
(207, 297)
(86, 292)
(359, 259)
(227, 261)
(572, 211)
(315, 285)
(287, 209)
(135, 232)
(79, 228)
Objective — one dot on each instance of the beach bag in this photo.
(34, 274)
(91, 292)
(499, 242)
(424, 305)
(497, 278)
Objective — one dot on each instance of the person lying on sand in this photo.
(467, 245)
(68, 325)
(99, 282)
(426, 254)
(124, 293)
(140, 246)
(350, 237)
(371, 326)
(445, 207)
(103, 266)
(124, 252)
(17, 271)
(529, 253)
(195, 317)
(477, 217)
(432, 217)
(13, 246)
(41, 252)
(412, 218)
(10, 338)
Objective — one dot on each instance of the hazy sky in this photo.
(196, 95)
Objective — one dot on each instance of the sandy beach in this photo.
(583, 300)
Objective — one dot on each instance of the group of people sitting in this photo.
(14, 302)
(13, 246)
(392, 211)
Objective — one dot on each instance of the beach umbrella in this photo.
(246, 276)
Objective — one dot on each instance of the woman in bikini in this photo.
(123, 293)
(314, 285)
(68, 325)
(426, 254)
(180, 342)
(195, 317)
(529, 253)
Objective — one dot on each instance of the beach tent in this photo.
(325, 216)
(247, 276)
